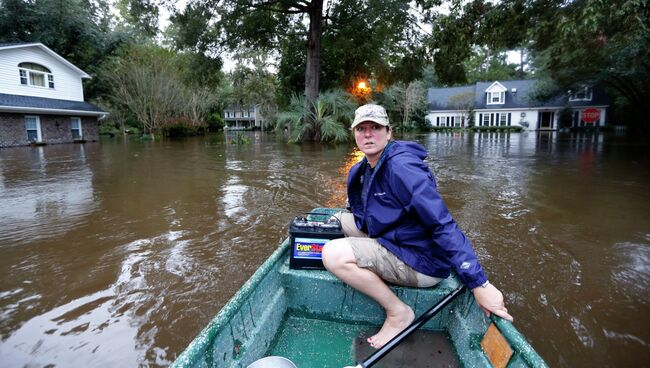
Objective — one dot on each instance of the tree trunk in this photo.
(312, 73)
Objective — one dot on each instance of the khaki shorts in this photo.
(373, 256)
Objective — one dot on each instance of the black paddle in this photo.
(376, 356)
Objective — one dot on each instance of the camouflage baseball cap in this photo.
(370, 112)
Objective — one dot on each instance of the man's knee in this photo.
(335, 253)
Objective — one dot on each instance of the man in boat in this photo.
(399, 229)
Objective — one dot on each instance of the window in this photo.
(36, 75)
(33, 128)
(486, 120)
(503, 119)
(75, 128)
(494, 98)
(581, 94)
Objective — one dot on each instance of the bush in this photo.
(497, 129)
(182, 127)
(215, 122)
(445, 129)
(108, 129)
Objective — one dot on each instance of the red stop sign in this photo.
(590, 115)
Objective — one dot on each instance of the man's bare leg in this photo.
(339, 259)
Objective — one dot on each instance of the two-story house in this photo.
(510, 103)
(41, 98)
(238, 117)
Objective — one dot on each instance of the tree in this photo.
(145, 81)
(254, 86)
(402, 101)
(465, 103)
(600, 44)
(487, 65)
(325, 118)
(308, 36)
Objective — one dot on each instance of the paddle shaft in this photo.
(376, 356)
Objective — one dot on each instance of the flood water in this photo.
(117, 253)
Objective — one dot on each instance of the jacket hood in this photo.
(400, 147)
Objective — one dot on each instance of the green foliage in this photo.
(78, 30)
(254, 86)
(514, 129)
(598, 43)
(182, 127)
(326, 119)
(109, 129)
(140, 15)
(199, 70)
(240, 139)
(359, 39)
(147, 83)
(484, 65)
(405, 104)
(215, 121)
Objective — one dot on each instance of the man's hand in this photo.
(491, 301)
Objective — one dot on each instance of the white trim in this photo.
(588, 96)
(496, 87)
(74, 119)
(39, 134)
(28, 78)
(52, 53)
(536, 108)
(35, 110)
(502, 98)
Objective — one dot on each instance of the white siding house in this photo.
(238, 117)
(511, 103)
(41, 98)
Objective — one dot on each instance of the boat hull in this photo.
(315, 320)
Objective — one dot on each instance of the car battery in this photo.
(309, 233)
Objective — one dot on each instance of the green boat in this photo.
(316, 321)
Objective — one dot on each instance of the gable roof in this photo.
(496, 87)
(9, 45)
(438, 99)
(29, 104)
(520, 99)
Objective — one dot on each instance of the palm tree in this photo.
(326, 118)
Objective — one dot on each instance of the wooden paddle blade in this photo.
(496, 347)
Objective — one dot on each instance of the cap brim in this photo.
(372, 120)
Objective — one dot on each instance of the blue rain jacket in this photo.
(405, 213)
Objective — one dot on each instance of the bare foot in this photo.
(395, 322)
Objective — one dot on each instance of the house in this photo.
(238, 117)
(41, 98)
(510, 103)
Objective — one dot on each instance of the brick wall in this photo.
(12, 130)
(54, 129)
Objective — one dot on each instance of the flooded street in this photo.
(117, 253)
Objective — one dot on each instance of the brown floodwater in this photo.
(117, 253)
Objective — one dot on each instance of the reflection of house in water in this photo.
(511, 103)
(240, 117)
(570, 144)
(59, 194)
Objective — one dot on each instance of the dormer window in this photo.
(496, 97)
(36, 75)
(496, 94)
(581, 94)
